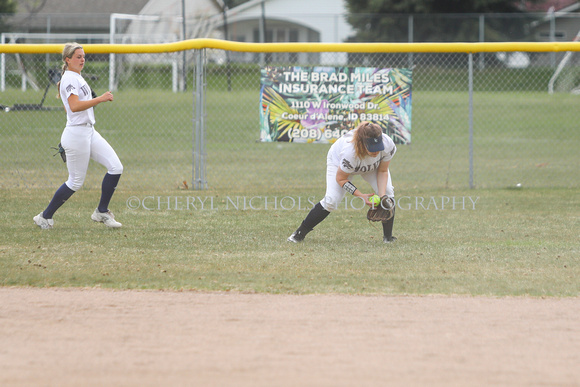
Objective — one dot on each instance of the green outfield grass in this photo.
(514, 242)
(511, 242)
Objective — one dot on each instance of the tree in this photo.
(388, 20)
(7, 7)
(234, 3)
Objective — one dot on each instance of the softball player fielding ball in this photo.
(364, 151)
(81, 142)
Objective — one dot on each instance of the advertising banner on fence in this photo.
(320, 104)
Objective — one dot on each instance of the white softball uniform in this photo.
(74, 83)
(79, 139)
(342, 155)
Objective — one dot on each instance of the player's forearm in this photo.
(79, 106)
(382, 179)
(349, 187)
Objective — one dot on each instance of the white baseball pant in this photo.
(335, 193)
(82, 143)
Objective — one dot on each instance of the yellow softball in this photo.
(375, 199)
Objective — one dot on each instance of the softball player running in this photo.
(82, 142)
(364, 151)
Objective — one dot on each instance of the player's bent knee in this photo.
(329, 204)
(68, 184)
(116, 169)
(75, 185)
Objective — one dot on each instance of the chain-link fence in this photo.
(483, 120)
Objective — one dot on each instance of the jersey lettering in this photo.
(85, 90)
(346, 164)
(348, 167)
(368, 167)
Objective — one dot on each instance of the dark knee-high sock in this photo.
(316, 215)
(60, 196)
(107, 191)
(388, 227)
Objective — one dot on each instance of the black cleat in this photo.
(296, 237)
(389, 240)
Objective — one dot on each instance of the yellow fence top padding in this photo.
(196, 44)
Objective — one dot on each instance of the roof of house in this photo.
(95, 15)
(558, 5)
(87, 15)
(82, 6)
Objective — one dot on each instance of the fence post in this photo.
(471, 185)
(410, 39)
(199, 179)
(481, 40)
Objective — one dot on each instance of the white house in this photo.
(161, 21)
(278, 21)
(289, 21)
(254, 21)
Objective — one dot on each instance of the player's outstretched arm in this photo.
(342, 180)
(77, 105)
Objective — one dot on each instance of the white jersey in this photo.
(74, 83)
(343, 155)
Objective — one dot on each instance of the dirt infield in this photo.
(93, 337)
